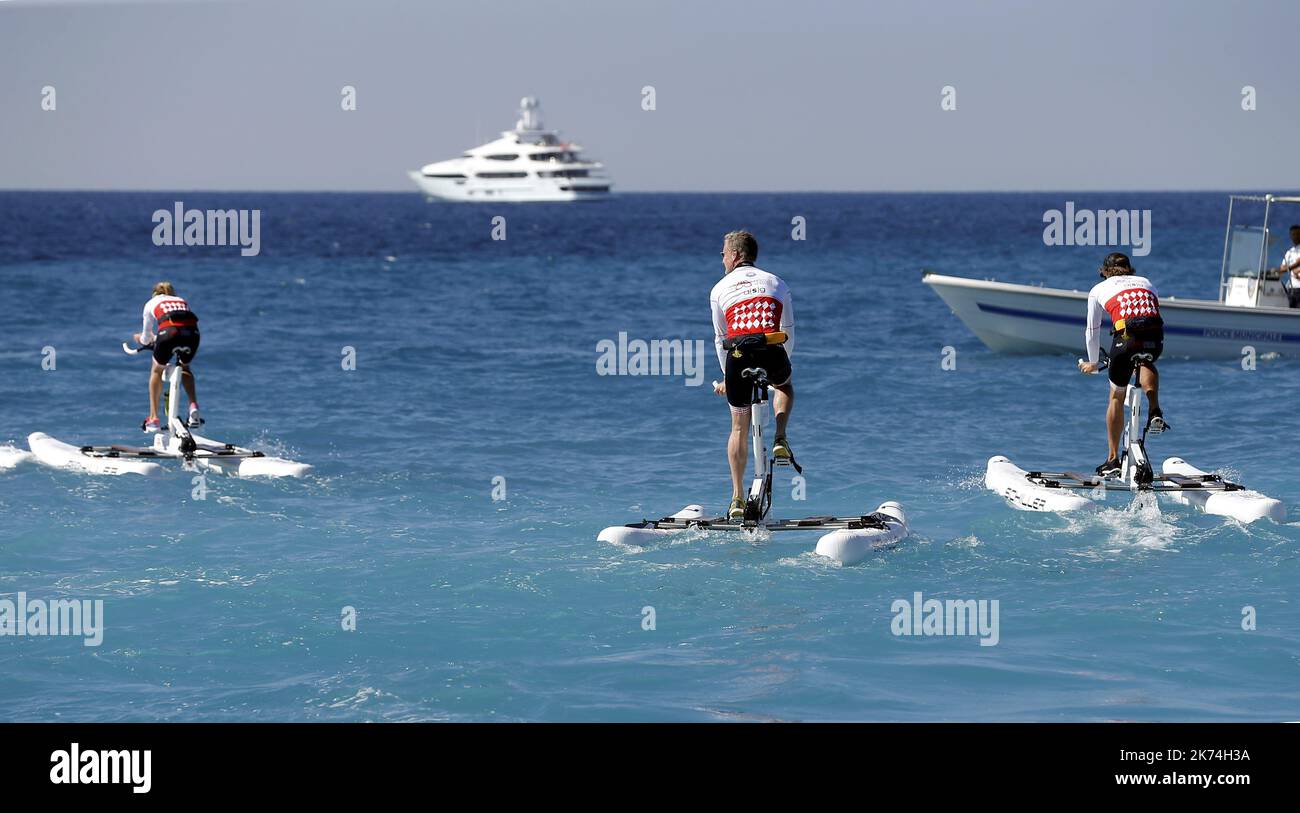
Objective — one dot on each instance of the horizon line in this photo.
(1082, 190)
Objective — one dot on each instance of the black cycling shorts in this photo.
(169, 340)
(1122, 351)
(770, 357)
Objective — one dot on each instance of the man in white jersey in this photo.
(747, 303)
(1136, 327)
(1289, 270)
(170, 327)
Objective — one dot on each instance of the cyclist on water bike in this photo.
(1136, 330)
(748, 303)
(170, 328)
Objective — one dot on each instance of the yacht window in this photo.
(563, 173)
(443, 175)
(502, 175)
(556, 156)
(505, 156)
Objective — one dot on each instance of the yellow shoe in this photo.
(781, 449)
(737, 510)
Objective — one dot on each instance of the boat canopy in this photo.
(1243, 276)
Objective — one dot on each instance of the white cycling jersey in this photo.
(1123, 297)
(750, 300)
(155, 313)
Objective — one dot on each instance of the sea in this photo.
(446, 369)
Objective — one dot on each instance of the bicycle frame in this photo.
(1136, 469)
(177, 428)
(760, 490)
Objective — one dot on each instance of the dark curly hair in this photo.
(1116, 264)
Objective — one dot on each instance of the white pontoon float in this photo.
(177, 442)
(850, 539)
(1253, 308)
(1065, 491)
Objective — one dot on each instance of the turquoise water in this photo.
(476, 360)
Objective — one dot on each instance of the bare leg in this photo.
(782, 403)
(1115, 419)
(187, 381)
(738, 450)
(1151, 386)
(155, 389)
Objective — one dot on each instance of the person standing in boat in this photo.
(1289, 270)
(169, 327)
(1133, 306)
(750, 302)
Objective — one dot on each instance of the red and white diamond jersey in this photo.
(1122, 297)
(155, 311)
(749, 300)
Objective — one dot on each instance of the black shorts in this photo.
(770, 357)
(185, 339)
(1122, 351)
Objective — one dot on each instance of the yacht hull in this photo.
(509, 191)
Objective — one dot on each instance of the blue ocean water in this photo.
(476, 360)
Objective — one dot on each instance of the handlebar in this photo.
(1102, 363)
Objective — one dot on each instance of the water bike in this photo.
(1178, 480)
(175, 442)
(850, 539)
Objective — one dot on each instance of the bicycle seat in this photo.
(758, 374)
(1143, 358)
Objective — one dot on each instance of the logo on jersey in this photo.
(1134, 303)
(760, 315)
(169, 306)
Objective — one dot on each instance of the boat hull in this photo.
(1244, 506)
(262, 466)
(848, 546)
(524, 190)
(56, 453)
(1012, 483)
(1026, 319)
(60, 455)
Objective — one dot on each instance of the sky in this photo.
(749, 96)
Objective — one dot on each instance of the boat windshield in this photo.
(1245, 248)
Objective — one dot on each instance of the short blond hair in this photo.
(743, 243)
(164, 287)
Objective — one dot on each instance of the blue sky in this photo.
(751, 96)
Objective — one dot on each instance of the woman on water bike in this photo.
(171, 328)
(1136, 329)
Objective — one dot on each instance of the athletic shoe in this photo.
(151, 425)
(1109, 467)
(737, 510)
(196, 420)
(1156, 423)
(781, 449)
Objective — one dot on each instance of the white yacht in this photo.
(1252, 309)
(528, 163)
